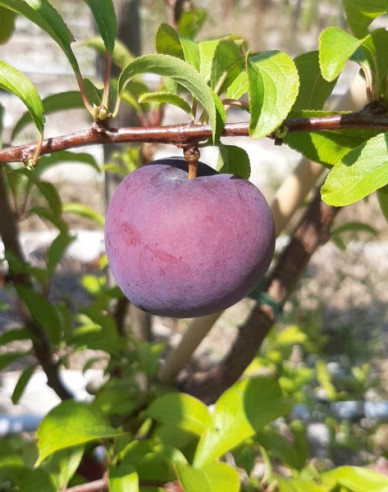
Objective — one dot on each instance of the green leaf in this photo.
(371, 56)
(214, 477)
(51, 104)
(359, 173)
(227, 63)
(233, 160)
(238, 87)
(43, 14)
(191, 22)
(314, 90)
(180, 410)
(36, 481)
(7, 359)
(382, 196)
(356, 479)
(282, 448)
(360, 14)
(14, 335)
(14, 81)
(123, 478)
(63, 464)
(166, 98)
(56, 251)
(169, 42)
(299, 485)
(325, 147)
(336, 46)
(51, 194)
(43, 311)
(21, 384)
(185, 75)
(273, 88)
(72, 423)
(105, 17)
(240, 412)
(84, 211)
(7, 24)
(121, 56)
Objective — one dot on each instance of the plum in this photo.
(184, 247)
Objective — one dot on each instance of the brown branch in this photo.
(312, 231)
(95, 486)
(371, 117)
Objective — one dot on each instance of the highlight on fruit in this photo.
(184, 247)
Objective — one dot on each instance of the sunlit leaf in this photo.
(105, 17)
(356, 479)
(170, 42)
(14, 81)
(273, 88)
(166, 98)
(69, 424)
(214, 477)
(359, 173)
(123, 478)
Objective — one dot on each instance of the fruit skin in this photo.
(184, 247)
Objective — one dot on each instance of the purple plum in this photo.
(184, 247)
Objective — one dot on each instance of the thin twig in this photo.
(95, 486)
(181, 135)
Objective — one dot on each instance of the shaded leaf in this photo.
(56, 251)
(166, 98)
(7, 359)
(21, 384)
(170, 42)
(7, 24)
(14, 81)
(69, 424)
(191, 22)
(359, 173)
(66, 157)
(227, 63)
(360, 14)
(233, 160)
(121, 55)
(240, 411)
(14, 335)
(382, 196)
(105, 17)
(84, 211)
(63, 464)
(314, 89)
(273, 88)
(36, 481)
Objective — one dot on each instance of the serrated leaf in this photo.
(43, 14)
(314, 90)
(227, 63)
(123, 478)
(105, 17)
(360, 14)
(185, 75)
(43, 311)
(214, 477)
(233, 160)
(121, 55)
(240, 411)
(85, 211)
(191, 22)
(7, 24)
(69, 424)
(336, 46)
(51, 104)
(14, 81)
(21, 384)
(273, 88)
(166, 98)
(359, 173)
(170, 42)
(356, 479)
(180, 410)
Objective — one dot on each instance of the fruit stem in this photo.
(191, 154)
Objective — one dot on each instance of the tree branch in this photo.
(312, 231)
(372, 117)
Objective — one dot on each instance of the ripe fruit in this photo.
(187, 247)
